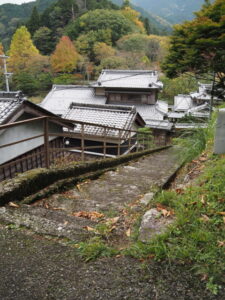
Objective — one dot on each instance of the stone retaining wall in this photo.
(35, 180)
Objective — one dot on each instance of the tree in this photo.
(147, 26)
(65, 57)
(126, 3)
(1, 53)
(152, 46)
(113, 62)
(21, 50)
(85, 43)
(134, 17)
(102, 19)
(102, 50)
(26, 83)
(44, 40)
(2, 81)
(34, 22)
(198, 46)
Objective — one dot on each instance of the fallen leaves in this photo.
(79, 186)
(112, 221)
(12, 204)
(164, 211)
(222, 213)
(221, 243)
(92, 215)
(205, 218)
(88, 228)
(128, 232)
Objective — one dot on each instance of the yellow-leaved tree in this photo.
(21, 50)
(1, 53)
(65, 57)
(133, 16)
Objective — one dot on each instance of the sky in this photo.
(14, 1)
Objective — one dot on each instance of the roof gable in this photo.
(119, 117)
(129, 79)
(60, 97)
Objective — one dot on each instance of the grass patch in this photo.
(198, 235)
(95, 248)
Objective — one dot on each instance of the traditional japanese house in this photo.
(120, 88)
(15, 108)
(105, 128)
(128, 86)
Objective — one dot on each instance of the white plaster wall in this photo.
(23, 132)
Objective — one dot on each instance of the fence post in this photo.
(118, 149)
(46, 143)
(129, 141)
(104, 144)
(82, 142)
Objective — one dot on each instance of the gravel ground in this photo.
(32, 267)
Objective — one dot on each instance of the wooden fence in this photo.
(76, 141)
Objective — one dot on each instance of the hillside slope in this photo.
(11, 15)
(174, 11)
(166, 12)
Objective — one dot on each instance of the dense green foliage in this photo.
(112, 21)
(184, 84)
(199, 46)
(13, 15)
(55, 14)
(94, 32)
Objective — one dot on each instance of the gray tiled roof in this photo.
(147, 111)
(129, 79)
(8, 104)
(106, 115)
(159, 124)
(190, 125)
(182, 102)
(60, 97)
(176, 115)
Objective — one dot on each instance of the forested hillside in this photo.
(71, 41)
(12, 15)
(174, 11)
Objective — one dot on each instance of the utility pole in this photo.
(7, 75)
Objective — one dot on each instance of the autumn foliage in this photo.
(21, 50)
(65, 57)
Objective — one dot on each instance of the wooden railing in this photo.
(78, 141)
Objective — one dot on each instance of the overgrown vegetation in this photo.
(197, 236)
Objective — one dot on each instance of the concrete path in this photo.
(115, 189)
(109, 194)
(38, 260)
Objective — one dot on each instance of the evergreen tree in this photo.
(126, 3)
(147, 26)
(21, 50)
(44, 40)
(199, 46)
(34, 22)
